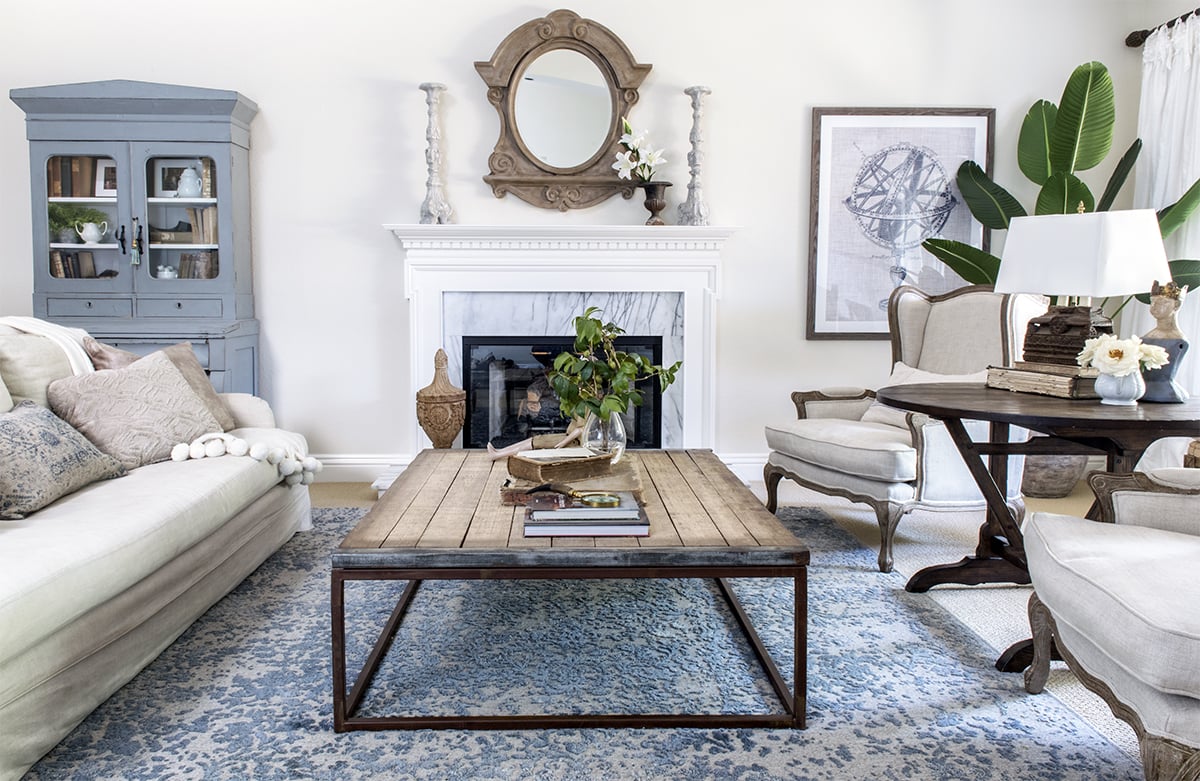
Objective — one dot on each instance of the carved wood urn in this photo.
(441, 407)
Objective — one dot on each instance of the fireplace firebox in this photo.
(509, 397)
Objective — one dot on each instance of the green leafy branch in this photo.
(599, 378)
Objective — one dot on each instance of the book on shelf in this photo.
(87, 264)
(1047, 379)
(83, 176)
(197, 265)
(57, 269)
(204, 224)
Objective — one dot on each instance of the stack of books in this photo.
(556, 515)
(1048, 379)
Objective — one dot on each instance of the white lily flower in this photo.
(624, 166)
(635, 161)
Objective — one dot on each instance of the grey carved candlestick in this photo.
(434, 210)
(694, 211)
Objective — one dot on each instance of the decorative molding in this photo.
(684, 260)
(512, 167)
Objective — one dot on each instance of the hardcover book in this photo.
(1047, 379)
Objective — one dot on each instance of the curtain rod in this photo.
(1138, 37)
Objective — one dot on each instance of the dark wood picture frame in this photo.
(882, 181)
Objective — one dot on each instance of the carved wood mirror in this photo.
(561, 85)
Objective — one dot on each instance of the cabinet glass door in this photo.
(86, 197)
(183, 207)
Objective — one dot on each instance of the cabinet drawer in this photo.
(89, 307)
(179, 307)
(147, 346)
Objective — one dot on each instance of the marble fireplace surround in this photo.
(531, 280)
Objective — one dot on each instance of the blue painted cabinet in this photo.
(141, 218)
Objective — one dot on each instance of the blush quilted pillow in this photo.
(136, 414)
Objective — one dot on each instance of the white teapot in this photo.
(90, 232)
(189, 184)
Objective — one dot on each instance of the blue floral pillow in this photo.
(44, 458)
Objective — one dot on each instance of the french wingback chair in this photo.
(1121, 600)
(845, 444)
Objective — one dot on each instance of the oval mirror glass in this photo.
(563, 109)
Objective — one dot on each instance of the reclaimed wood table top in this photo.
(444, 510)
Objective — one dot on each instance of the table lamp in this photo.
(1078, 256)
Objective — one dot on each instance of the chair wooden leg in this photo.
(772, 476)
(888, 516)
(1038, 670)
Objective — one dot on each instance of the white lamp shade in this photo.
(1115, 253)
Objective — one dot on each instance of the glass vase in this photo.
(605, 435)
(1124, 390)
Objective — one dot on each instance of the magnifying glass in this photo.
(600, 500)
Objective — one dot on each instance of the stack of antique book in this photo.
(1048, 379)
(586, 514)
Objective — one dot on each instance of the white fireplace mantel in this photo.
(682, 260)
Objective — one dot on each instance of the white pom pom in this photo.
(180, 452)
(288, 465)
(237, 447)
(293, 478)
(311, 464)
(258, 451)
(214, 448)
(196, 450)
(275, 455)
(307, 478)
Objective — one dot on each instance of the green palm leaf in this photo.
(1172, 217)
(1119, 175)
(971, 263)
(1185, 273)
(1083, 129)
(1033, 145)
(1062, 194)
(991, 204)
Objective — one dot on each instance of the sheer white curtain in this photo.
(1169, 126)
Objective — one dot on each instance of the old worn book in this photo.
(625, 476)
(1047, 379)
(544, 466)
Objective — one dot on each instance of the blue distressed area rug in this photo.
(897, 688)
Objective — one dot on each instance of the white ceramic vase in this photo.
(1123, 391)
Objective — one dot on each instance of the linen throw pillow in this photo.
(105, 356)
(44, 458)
(6, 401)
(29, 363)
(136, 414)
(903, 374)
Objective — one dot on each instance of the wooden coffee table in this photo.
(442, 520)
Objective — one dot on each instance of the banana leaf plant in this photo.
(1056, 142)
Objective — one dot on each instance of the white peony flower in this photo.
(1120, 357)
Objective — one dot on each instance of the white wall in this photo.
(337, 150)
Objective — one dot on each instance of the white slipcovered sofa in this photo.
(94, 585)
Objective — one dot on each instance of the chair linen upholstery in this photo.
(898, 462)
(1120, 601)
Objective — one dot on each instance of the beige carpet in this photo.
(995, 613)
